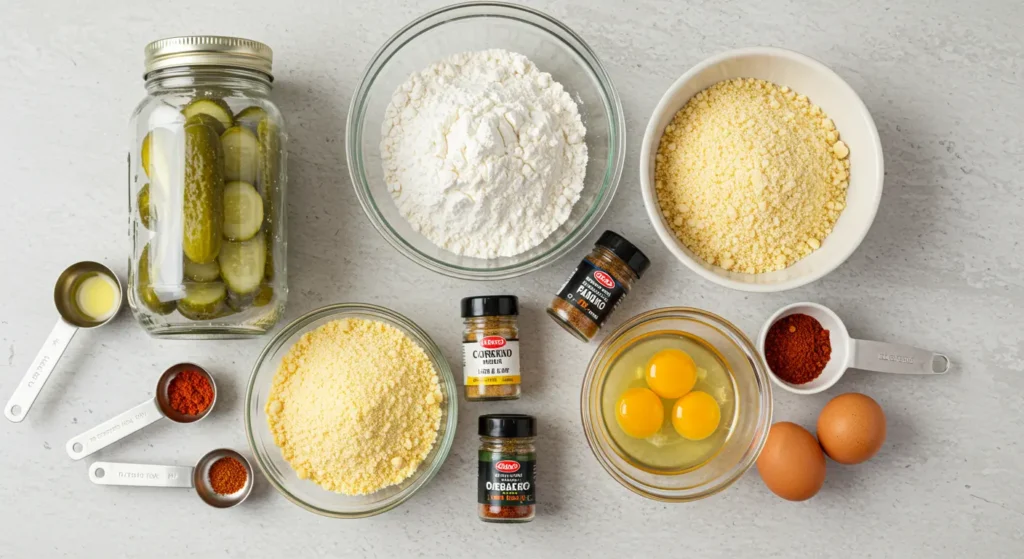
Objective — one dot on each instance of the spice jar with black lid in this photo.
(598, 285)
(507, 468)
(490, 347)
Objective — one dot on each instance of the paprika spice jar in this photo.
(507, 468)
(598, 285)
(490, 347)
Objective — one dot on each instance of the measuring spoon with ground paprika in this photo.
(222, 478)
(185, 393)
(844, 352)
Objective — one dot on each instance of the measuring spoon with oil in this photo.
(847, 352)
(140, 416)
(87, 295)
(188, 477)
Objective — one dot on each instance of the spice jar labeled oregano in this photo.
(490, 347)
(507, 478)
(598, 285)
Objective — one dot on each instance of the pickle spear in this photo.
(268, 180)
(241, 153)
(216, 108)
(203, 208)
(146, 292)
(242, 264)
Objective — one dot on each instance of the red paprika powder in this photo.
(797, 348)
(190, 392)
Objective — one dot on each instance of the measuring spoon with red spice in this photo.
(185, 393)
(206, 477)
(846, 352)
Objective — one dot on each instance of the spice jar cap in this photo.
(508, 425)
(627, 251)
(490, 305)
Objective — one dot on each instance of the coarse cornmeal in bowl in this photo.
(861, 148)
(283, 474)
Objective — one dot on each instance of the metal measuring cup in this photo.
(125, 424)
(71, 319)
(151, 475)
(848, 352)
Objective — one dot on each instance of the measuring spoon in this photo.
(151, 475)
(125, 424)
(848, 352)
(72, 317)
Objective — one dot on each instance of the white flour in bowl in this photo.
(483, 153)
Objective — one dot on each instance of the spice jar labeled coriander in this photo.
(490, 347)
(507, 468)
(598, 285)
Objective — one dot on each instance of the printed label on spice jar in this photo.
(489, 361)
(593, 291)
(506, 479)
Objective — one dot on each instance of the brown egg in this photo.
(792, 464)
(851, 428)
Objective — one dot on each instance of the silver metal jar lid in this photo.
(209, 50)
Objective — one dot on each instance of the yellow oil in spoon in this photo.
(98, 297)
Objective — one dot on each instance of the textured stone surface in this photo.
(941, 268)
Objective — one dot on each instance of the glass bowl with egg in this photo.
(477, 26)
(676, 404)
(279, 471)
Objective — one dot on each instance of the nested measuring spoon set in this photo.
(89, 295)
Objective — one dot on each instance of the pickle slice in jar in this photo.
(157, 154)
(209, 271)
(203, 118)
(242, 264)
(241, 153)
(216, 108)
(203, 301)
(250, 117)
(243, 211)
(145, 287)
(147, 213)
(203, 208)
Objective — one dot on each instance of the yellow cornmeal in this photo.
(751, 176)
(355, 406)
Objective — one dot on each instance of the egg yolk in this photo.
(696, 416)
(640, 412)
(671, 373)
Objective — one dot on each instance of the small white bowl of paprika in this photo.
(810, 356)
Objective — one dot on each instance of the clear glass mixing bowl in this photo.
(555, 49)
(752, 419)
(305, 493)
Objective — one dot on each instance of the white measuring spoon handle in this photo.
(894, 358)
(140, 475)
(44, 363)
(114, 429)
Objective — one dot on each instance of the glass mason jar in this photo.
(207, 182)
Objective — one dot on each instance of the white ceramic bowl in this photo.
(856, 128)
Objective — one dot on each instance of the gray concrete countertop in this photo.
(940, 269)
